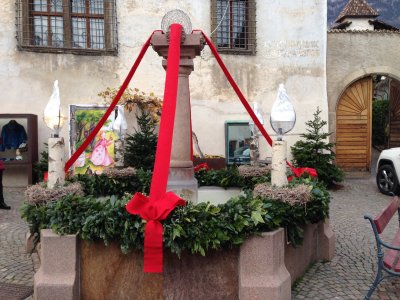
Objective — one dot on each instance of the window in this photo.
(233, 24)
(75, 26)
(237, 142)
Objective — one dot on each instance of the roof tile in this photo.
(358, 9)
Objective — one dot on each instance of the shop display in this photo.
(19, 141)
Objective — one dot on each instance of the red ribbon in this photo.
(236, 89)
(153, 212)
(243, 99)
(110, 109)
(299, 171)
(157, 207)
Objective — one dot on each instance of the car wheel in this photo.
(387, 181)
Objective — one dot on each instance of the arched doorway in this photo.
(353, 127)
(367, 115)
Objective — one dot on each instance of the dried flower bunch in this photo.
(133, 97)
(39, 194)
(299, 194)
(253, 171)
(119, 173)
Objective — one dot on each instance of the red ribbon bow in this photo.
(299, 171)
(153, 212)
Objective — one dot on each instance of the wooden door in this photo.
(394, 114)
(353, 127)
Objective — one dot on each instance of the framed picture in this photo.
(100, 152)
(237, 142)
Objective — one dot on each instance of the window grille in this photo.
(72, 26)
(233, 26)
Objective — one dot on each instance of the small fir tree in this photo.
(41, 167)
(140, 149)
(315, 152)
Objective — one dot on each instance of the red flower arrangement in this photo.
(200, 167)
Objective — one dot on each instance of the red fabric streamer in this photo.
(159, 204)
(164, 143)
(243, 99)
(117, 97)
(236, 89)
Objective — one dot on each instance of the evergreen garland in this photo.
(315, 152)
(140, 149)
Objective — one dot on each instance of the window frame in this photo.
(25, 28)
(229, 127)
(251, 27)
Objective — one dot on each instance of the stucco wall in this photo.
(291, 47)
(359, 24)
(353, 55)
(291, 43)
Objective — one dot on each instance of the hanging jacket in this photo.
(13, 134)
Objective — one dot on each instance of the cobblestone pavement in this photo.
(16, 266)
(350, 274)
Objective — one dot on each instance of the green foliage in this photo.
(380, 113)
(193, 228)
(228, 177)
(101, 185)
(36, 216)
(140, 149)
(42, 165)
(315, 152)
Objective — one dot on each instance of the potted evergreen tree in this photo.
(316, 152)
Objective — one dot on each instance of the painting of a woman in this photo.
(100, 155)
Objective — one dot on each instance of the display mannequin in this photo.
(3, 205)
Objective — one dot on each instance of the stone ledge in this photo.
(59, 271)
(262, 270)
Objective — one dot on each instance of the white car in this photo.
(388, 171)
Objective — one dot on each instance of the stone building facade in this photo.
(357, 54)
(290, 48)
(361, 56)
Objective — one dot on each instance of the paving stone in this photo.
(351, 272)
(16, 266)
